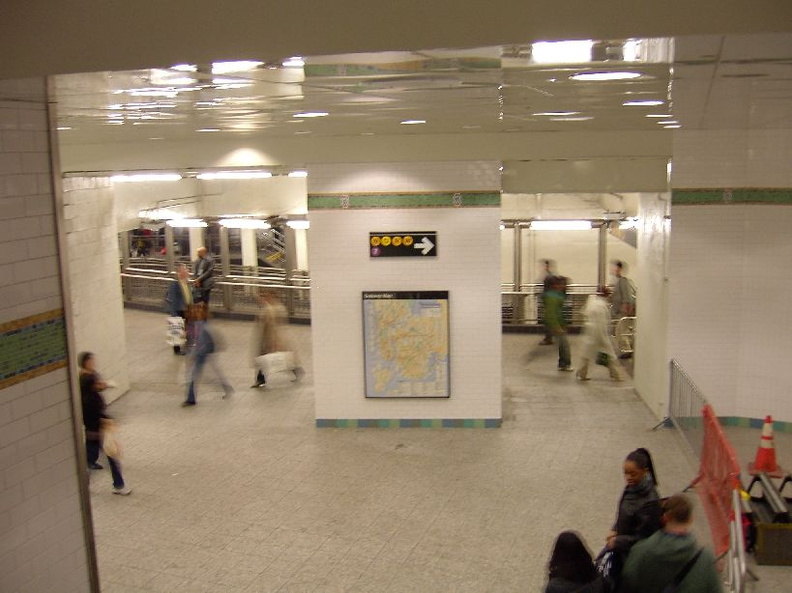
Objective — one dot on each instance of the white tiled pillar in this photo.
(42, 527)
(89, 225)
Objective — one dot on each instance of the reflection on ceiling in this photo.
(492, 89)
(703, 82)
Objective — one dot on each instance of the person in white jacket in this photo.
(596, 335)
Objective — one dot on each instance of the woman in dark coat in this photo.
(571, 569)
(93, 409)
(639, 511)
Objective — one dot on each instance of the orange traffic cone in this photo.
(765, 455)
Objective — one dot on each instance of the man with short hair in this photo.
(671, 556)
(203, 268)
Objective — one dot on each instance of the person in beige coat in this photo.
(269, 335)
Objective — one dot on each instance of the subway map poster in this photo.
(405, 336)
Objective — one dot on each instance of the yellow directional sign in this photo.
(404, 244)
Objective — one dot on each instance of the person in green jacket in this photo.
(555, 322)
(671, 555)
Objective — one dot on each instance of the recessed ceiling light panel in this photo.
(605, 76)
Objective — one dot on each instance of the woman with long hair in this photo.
(639, 511)
(571, 569)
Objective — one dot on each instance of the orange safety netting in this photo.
(719, 475)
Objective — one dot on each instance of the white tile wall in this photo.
(404, 177)
(97, 305)
(732, 158)
(467, 266)
(42, 543)
(729, 307)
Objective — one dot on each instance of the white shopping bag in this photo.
(275, 362)
(175, 335)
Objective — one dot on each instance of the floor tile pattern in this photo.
(246, 494)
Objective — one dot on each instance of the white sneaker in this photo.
(125, 491)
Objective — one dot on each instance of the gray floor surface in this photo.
(245, 494)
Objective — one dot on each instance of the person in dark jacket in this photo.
(671, 556)
(203, 269)
(555, 321)
(571, 569)
(94, 412)
(639, 511)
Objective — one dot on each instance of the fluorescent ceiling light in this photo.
(141, 177)
(560, 225)
(235, 175)
(312, 114)
(192, 223)
(245, 223)
(561, 52)
(240, 66)
(668, 122)
(643, 103)
(659, 115)
(159, 214)
(672, 127)
(185, 68)
(298, 224)
(556, 113)
(584, 118)
(298, 174)
(604, 76)
(294, 62)
(208, 130)
(413, 122)
(63, 128)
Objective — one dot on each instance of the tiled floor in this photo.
(245, 494)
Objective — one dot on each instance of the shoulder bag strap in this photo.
(680, 576)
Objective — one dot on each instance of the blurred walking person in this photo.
(94, 413)
(269, 335)
(555, 321)
(596, 336)
(178, 300)
(205, 346)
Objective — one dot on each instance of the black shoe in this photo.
(186, 404)
(95, 466)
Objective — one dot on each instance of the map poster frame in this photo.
(406, 337)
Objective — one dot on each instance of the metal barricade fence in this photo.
(235, 295)
(718, 478)
(736, 566)
(685, 408)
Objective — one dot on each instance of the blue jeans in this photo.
(92, 448)
(195, 374)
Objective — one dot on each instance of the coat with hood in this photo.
(654, 562)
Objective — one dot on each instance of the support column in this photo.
(225, 263)
(196, 240)
(169, 256)
(247, 238)
(602, 255)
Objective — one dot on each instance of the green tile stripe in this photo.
(409, 423)
(743, 422)
(374, 201)
(32, 346)
(731, 196)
